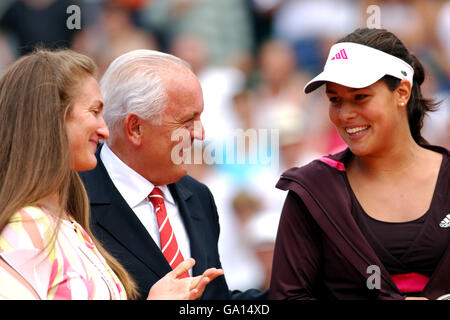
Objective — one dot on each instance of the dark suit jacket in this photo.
(114, 223)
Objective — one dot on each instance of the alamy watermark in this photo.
(241, 147)
(74, 20)
(374, 19)
(374, 280)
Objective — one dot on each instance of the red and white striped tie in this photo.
(169, 244)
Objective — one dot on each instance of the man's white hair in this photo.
(133, 84)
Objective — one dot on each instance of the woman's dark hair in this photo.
(387, 42)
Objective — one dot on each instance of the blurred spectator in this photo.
(280, 83)
(297, 146)
(405, 18)
(278, 102)
(436, 127)
(237, 256)
(310, 25)
(261, 229)
(262, 18)
(113, 32)
(219, 84)
(6, 54)
(223, 24)
(443, 42)
(37, 22)
(243, 259)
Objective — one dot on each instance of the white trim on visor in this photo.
(357, 66)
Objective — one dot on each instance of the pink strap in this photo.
(333, 163)
(410, 282)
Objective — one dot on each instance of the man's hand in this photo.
(170, 287)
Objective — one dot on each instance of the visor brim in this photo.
(348, 79)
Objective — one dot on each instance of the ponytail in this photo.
(418, 106)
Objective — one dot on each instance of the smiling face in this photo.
(369, 119)
(85, 125)
(160, 147)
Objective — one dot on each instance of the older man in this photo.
(146, 210)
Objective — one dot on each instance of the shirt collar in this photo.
(133, 187)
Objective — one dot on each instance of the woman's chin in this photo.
(359, 150)
(86, 165)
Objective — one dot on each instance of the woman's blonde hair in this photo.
(36, 94)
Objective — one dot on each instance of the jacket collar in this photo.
(116, 217)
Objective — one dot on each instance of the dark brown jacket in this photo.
(320, 252)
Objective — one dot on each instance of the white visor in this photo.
(357, 66)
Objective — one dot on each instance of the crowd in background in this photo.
(253, 58)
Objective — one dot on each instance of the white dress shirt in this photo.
(135, 190)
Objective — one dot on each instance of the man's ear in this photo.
(403, 93)
(133, 129)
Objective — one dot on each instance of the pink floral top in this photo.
(34, 265)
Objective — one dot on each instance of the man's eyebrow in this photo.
(191, 115)
(97, 103)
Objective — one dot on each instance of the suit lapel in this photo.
(111, 212)
(193, 223)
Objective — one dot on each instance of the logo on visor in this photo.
(340, 55)
(404, 73)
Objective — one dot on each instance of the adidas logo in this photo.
(446, 222)
(340, 55)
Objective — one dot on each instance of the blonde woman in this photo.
(51, 123)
